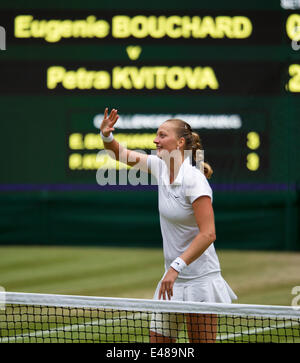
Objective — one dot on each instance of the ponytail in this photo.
(197, 145)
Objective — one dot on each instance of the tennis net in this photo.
(65, 318)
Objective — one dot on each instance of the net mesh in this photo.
(34, 318)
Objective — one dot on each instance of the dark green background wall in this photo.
(131, 219)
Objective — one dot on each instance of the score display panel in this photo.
(232, 73)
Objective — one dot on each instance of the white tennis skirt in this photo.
(209, 288)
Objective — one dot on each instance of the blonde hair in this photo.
(192, 142)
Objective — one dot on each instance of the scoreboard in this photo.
(231, 70)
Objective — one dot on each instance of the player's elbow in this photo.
(210, 236)
(214, 237)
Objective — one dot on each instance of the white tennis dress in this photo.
(202, 279)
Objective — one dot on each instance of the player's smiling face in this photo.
(166, 139)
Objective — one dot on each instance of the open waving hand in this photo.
(129, 157)
(108, 122)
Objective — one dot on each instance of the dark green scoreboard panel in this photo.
(231, 69)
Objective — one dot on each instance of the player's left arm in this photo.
(205, 219)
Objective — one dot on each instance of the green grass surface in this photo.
(256, 277)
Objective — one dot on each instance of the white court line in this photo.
(226, 336)
(76, 327)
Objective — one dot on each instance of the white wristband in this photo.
(178, 264)
(107, 138)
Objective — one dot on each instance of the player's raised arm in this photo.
(122, 154)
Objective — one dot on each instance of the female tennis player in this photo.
(192, 269)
